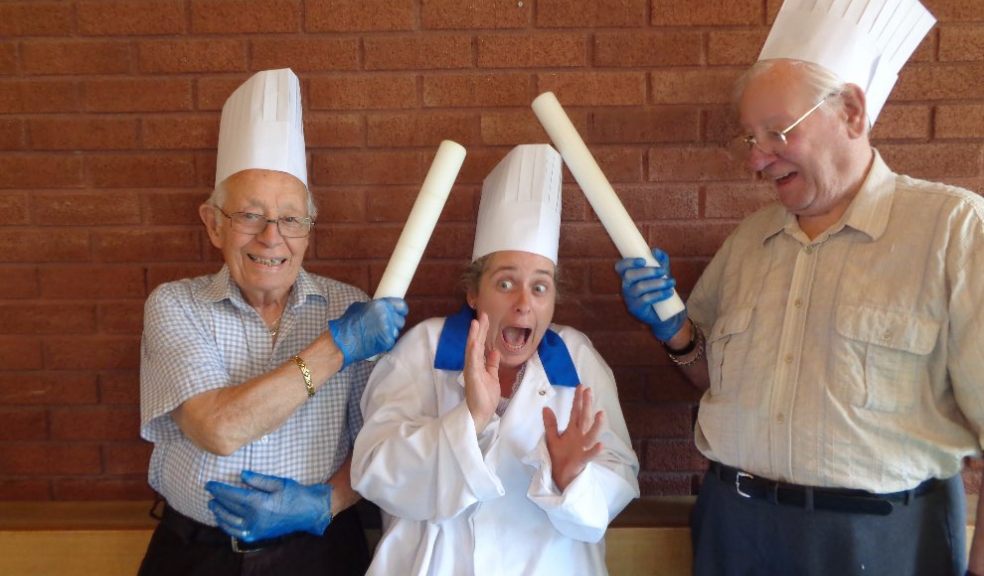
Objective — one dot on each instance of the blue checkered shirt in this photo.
(199, 335)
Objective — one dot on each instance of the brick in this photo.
(341, 205)
(489, 14)
(721, 125)
(173, 208)
(359, 15)
(574, 206)
(304, 54)
(355, 274)
(138, 95)
(589, 313)
(103, 488)
(648, 202)
(245, 17)
(618, 164)
(959, 121)
(586, 241)
(423, 129)
(92, 353)
(393, 204)
(657, 421)
(512, 127)
(157, 274)
(645, 125)
(23, 318)
(8, 58)
(34, 245)
(363, 92)
(180, 132)
(649, 49)
(706, 13)
(83, 133)
(668, 384)
(430, 279)
(689, 239)
(326, 130)
(75, 57)
(30, 490)
(961, 44)
(477, 90)
(119, 387)
(14, 209)
(140, 170)
(902, 122)
(126, 457)
(451, 240)
(626, 349)
(734, 47)
(20, 353)
(933, 161)
(342, 168)
(18, 282)
(49, 458)
(178, 56)
(540, 50)
(35, 96)
(591, 13)
(131, 17)
(23, 424)
(479, 163)
(430, 52)
(659, 484)
(695, 86)
(95, 423)
(33, 18)
(935, 81)
(37, 171)
(736, 199)
(211, 93)
(595, 88)
(137, 245)
(693, 164)
(205, 168)
(957, 10)
(674, 456)
(91, 282)
(348, 241)
(40, 388)
(121, 318)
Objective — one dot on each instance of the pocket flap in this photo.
(897, 330)
(732, 323)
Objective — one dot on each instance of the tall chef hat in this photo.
(864, 42)
(520, 206)
(261, 127)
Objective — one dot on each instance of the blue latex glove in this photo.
(643, 286)
(269, 506)
(368, 328)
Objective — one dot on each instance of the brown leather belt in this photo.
(810, 497)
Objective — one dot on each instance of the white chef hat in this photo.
(864, 42)
(520, 206)
(261, 127)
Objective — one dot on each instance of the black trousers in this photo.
(182, 546)
(737, 536)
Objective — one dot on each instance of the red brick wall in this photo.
(108, 127)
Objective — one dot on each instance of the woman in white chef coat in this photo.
(493, 440)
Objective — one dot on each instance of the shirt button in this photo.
(788, 358)
(808, 250)
(780, 418)
(798, 303)
(542, 392)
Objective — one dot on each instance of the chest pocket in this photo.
(727, 348)
(882, 357)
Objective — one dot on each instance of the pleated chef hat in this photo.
(520, 206)
(261, 127)
(864, 42)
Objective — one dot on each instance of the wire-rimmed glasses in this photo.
(772, 141)
(252, 223)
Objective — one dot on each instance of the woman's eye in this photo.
(505, 284)
(541, 288)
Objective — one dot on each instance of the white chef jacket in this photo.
(456, 503)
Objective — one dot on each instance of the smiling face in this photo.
(263, 265)
(518, 292)
(821, 167)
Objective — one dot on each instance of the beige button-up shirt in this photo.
(856, 359)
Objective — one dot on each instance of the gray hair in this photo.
(218, 196)
(471, 278)
(818, 81)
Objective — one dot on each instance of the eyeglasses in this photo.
(772, 142)
(250, 223)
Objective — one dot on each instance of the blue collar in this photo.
(554, 356)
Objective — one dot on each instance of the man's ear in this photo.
(210, 219)
(855, 110)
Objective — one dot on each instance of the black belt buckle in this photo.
(240, 547)
(738, 476)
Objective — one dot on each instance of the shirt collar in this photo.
(222, 287)
(867, 213)
(553, 352)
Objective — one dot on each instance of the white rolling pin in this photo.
(599, 192)
(420, 223)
